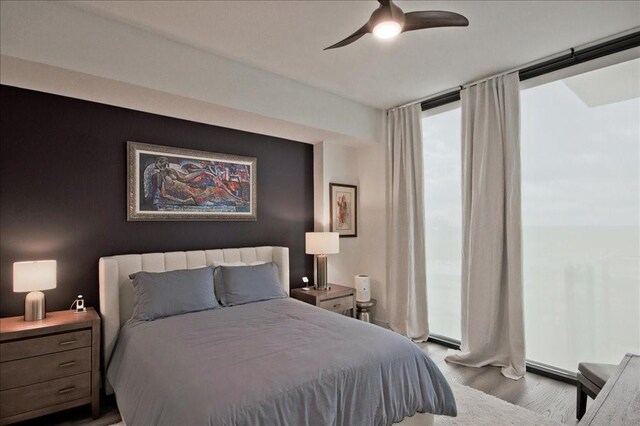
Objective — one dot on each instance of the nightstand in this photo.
(49, 365)
(337, 299)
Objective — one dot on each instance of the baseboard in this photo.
(380, 323)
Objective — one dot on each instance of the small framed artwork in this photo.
(167, 184)
(344, 209)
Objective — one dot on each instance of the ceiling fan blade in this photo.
(353, 37)
(433, 19)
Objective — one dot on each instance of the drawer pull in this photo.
(67, 390)
(336, 305)
(67, 364)
(67, 342)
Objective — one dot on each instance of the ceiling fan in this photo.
(388, 20)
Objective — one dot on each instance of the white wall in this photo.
(372, 248)
(60, 35)
(59, 81)
(366, 254)
(334, 163)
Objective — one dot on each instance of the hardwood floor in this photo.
(548, 397)
(551, 398)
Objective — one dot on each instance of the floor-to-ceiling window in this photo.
(443, 219)
(580, 140)
(580, 155)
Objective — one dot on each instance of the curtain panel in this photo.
(492, 300)
(406, 269)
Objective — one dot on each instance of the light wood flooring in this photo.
(551, 398)
(545, 396)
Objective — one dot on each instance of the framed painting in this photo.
(181, 184)
(344, 209)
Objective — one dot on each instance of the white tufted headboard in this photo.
(116, 289)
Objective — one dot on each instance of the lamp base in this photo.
(322, 272)
(34, 306)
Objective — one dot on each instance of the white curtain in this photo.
(492, 306)
(406, 270)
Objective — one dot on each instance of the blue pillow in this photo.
(163, 294)
(246, 284)
(217, 278)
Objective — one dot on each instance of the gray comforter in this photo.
(277, 362)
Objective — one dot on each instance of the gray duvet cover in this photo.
(277, 362)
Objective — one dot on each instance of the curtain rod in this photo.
(473, 83)
(560, 54)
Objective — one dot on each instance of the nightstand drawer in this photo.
(38, 369)
(49, 365)
(10, 351)
(54, 392)
(336, 298)
(338, 305)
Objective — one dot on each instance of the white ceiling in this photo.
(287, 38)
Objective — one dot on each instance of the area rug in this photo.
(477, 408)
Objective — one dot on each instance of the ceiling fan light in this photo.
(387, 29)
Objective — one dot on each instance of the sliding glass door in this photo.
(580, 155)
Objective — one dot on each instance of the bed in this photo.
(276, 361)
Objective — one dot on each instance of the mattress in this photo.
(276, 362)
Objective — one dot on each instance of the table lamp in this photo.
(322, 244)
(32, 277)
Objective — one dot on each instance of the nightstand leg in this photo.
(95, 408)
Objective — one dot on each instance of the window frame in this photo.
(572, 59)
(576, 62)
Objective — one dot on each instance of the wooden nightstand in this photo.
(337, 299)
(49, 365)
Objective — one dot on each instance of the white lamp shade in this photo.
(34, 275)
(322, 243)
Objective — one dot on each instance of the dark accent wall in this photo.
(63, 191)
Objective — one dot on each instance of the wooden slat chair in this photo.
(591, 379)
